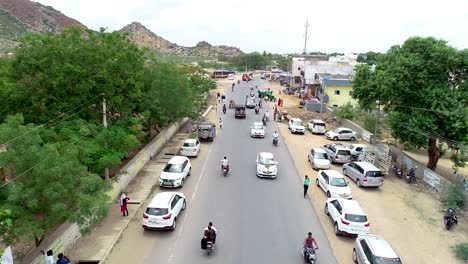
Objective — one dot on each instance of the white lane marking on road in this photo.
(170, 258)
(201, 175)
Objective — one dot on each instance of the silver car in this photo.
(341, 133)
(337, 153)
(363, 173)
(373, 249)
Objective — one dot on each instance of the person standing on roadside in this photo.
(123, 204)
(306, 185)
(50, 257)
(62, 259)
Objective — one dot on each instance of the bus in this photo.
(221, 73)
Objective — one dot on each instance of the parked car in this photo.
(239, 112)
(163, 210)
(341, 133)
(175, 172)
(319, 159)
(356, 149)
(364, 173)
(374, 249)
(348, 217)
(295, 125)
(337, 152)
(246, 77)
(250, 102)
(190, 148)
(206, 131)
(317, 126)
(266, 165)
(333, 184)
(257, 130)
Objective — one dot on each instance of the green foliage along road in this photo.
(422, 85)
(54, 148)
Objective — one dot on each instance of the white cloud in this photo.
(278, 26)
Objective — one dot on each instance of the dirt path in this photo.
(409, 219)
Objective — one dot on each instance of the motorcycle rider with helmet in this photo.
(224, 163)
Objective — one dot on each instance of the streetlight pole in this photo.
(376, 129)
(104, 123)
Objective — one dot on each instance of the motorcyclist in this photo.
(266, 114)
(264, 120)
(224, 162)
(220, 122)
(224, 108)
(260, 102)
(275, 135)
(238, 81)
(309, 242)
(257, 109)
(215, 231)
(208, 235)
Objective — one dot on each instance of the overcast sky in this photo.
(278, 26)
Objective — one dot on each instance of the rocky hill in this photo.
(20, 16)
(143, 37)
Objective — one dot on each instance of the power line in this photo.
(428, 134)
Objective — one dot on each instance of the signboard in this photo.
(7, 257)
(366, 136)
(431, 179)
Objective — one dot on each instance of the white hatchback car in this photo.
(163, 210)
(190, 148)
(175, 172)
(356, 149)
(319, 159)
(341, 133)
(333, 184)
(257, 130)
(266, 165)
(296, 126)
(348, 217)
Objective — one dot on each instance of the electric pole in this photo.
(305, 37)
(104, 123)
(376, 129)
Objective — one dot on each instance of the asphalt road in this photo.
(258, 220)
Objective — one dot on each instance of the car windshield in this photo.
(338, 182)
(320, 155)
(267, 161)
(298, 123)
(382, 260)
(259, 127)
(173, 168)
(374, 174)
(337, 131)
(189, 144)
(356, 218)
(157, 211)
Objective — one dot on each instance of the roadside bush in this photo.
(461, 251)
(369, 122)
(346, 111)
(454, 196)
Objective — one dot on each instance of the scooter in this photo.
(450, 219)
(257, 111)
(209, 247)
(224, 110)
(397, 171)
(309, 254)
(411, 177)
(225, 170)
(275, 141)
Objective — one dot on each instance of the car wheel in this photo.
(335, 138)
(358, 183)
(328, 195)
(353, 139)
(189, 172)
(344, 172)
(326, 210)
(337, 231)
(174, 225)
(317, 182)
(354, 256)
(184, 205)
(181, 183)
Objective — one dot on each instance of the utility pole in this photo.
(376, 130)
(305, 37)
(104, 123)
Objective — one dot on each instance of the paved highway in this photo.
(258, 220)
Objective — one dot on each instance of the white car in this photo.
(163, 210)
(191, 147)
(231, 76)
(333, 184)
(356, 149)
(175, 172)
(319, 159)
(257, 130)
(266, 165)
(317, 126)
(341, 133)
(296, 126)
(348, 217)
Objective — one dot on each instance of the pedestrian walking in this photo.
(306, 185)
(50, 257)
(220, 122)
(62, 259)
(123, 204)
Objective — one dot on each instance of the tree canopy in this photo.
(422, 85)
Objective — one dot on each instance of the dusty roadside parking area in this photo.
(408, 218)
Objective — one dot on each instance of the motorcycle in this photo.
(450, 218)
(309, 254)
(411, 177)
(264, 121)
(397, 171)
(275, 141)
(225, 169)
(257, 111)
(224, 110)
(209, 247)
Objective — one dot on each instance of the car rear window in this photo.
(382, 260)
(189, 145)
(157, 211)
(374, 174)
(356, 218)
(321, 155)
(344, 152)
(319, 124)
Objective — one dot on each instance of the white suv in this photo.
(296, 126)
(163, 210)
(175, 172)
(348, 217)
(333, 184)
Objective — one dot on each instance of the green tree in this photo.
(370, 57)
(420, 84)
(46, 184)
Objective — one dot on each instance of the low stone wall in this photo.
(70, 233)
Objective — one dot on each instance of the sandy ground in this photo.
(410, 219)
